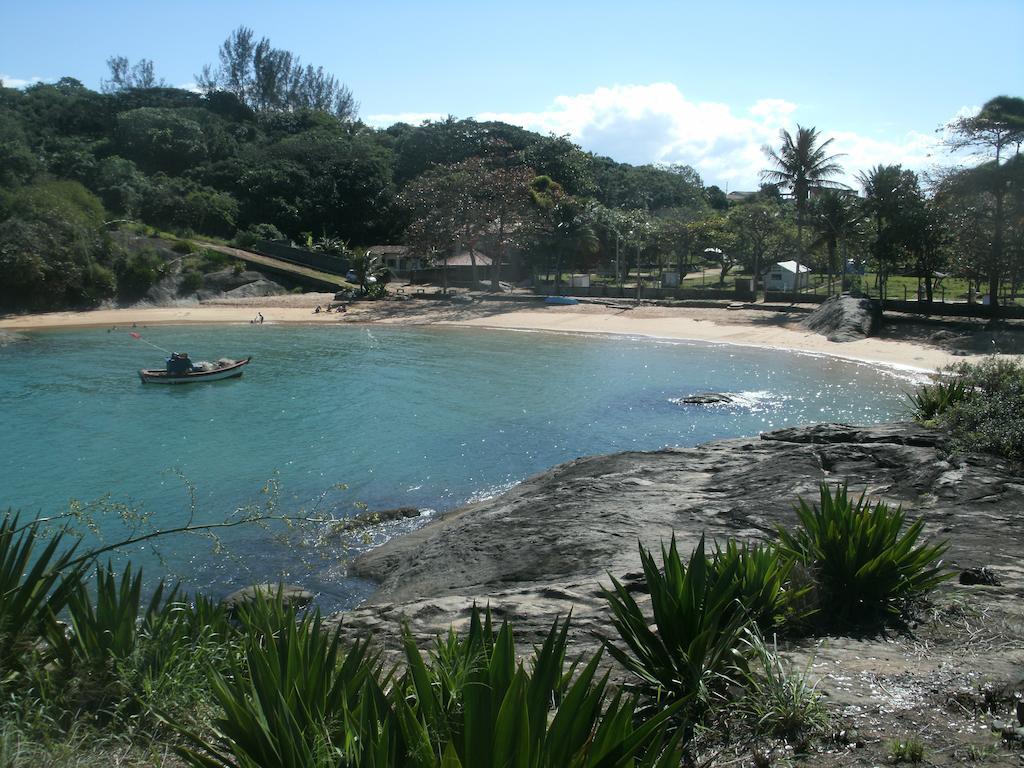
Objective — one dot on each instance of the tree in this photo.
(995, 129)
(802, 165)
(269, 79)
(54, 251)
(834, 218)
(459, 205)
(160, 140)
(931, 241)
(123, 75)
(507, 204)
(755, 227)
(893, 201)
(713, 239)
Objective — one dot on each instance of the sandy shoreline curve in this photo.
(744, 327)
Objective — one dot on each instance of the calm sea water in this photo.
(430, 418)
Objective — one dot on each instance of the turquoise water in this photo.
(426, 417)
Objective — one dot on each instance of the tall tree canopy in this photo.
(271, 79)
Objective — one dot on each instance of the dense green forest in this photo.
(273, 148)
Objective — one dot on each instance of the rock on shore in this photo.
(544, 549)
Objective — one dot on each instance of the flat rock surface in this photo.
(546, 547)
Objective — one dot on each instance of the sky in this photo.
(706, 84)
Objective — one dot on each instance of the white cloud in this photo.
(656, 123)
(10, 81)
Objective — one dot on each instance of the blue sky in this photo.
(703, 83)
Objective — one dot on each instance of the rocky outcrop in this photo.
(545, 547)
(705, 398)
(845, 318)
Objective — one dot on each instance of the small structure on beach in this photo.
(787, 276)
(398, 258)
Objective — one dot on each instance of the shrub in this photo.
(763, 582)
(284, 704)
(694, 650)
(909, 751)
(213, 260)
(191, 281)
(474, 705)
(245, 238)
(137, 272)
(35, 585)
(183, 246)
(930, 401)
(297, 700)
(866, 566)
(992, 420)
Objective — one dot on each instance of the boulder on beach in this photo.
(845, 318)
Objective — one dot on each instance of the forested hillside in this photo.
(194, 164)
(273, 148)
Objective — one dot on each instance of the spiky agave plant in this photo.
(501, 713)
(38, 574)
(929, 401)
(690, 650)
(764, 590)
(284, 704)
(866, 561)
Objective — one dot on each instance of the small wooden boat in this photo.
(222, 369)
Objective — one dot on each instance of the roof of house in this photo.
(790, 266)
(388, 250)
(462, 259)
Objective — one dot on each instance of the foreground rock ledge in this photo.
(542, 549)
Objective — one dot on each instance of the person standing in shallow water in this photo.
(260, 316)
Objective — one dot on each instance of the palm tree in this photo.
(834, 219)
(802, 165)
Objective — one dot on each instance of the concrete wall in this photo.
(325, 262)
(603, 290)
(959, 309)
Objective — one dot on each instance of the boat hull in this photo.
(159, 376)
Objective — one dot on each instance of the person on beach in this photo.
(260, 316)
(317, 310)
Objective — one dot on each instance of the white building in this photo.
(783, 277)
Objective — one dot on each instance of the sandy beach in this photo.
(748, 327)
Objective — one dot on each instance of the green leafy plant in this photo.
(907, 751)
(866, 563)
(38, 575)
(783, 703)
(930, 401)
(993, 420)
(694, 650)
(474, 705)
(120, 655)
(284, 703)
(763, 584)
